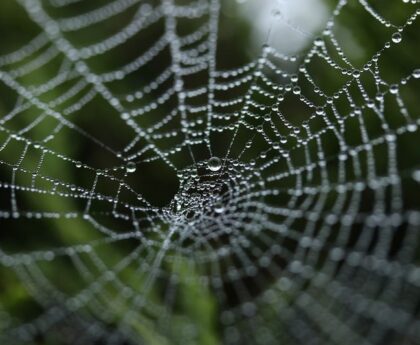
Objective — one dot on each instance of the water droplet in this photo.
(319, 110)
(342, 156)
(219, 209)
(390, 137)
(179, 85)
(412, 127)
(296, 90)
(318, 42)
(416, 175)
(416, 73)
(393, 89)
(131, 167)
(396, 37)
(214, 164)
(78, 164)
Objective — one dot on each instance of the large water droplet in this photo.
(396, 37)
(131, 167)
(416, 73)
(393, 89)
(319, 110)
(296, 90)
(214, 164)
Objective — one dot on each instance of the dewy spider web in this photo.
(289, 216)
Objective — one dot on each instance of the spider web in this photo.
(161, 199)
